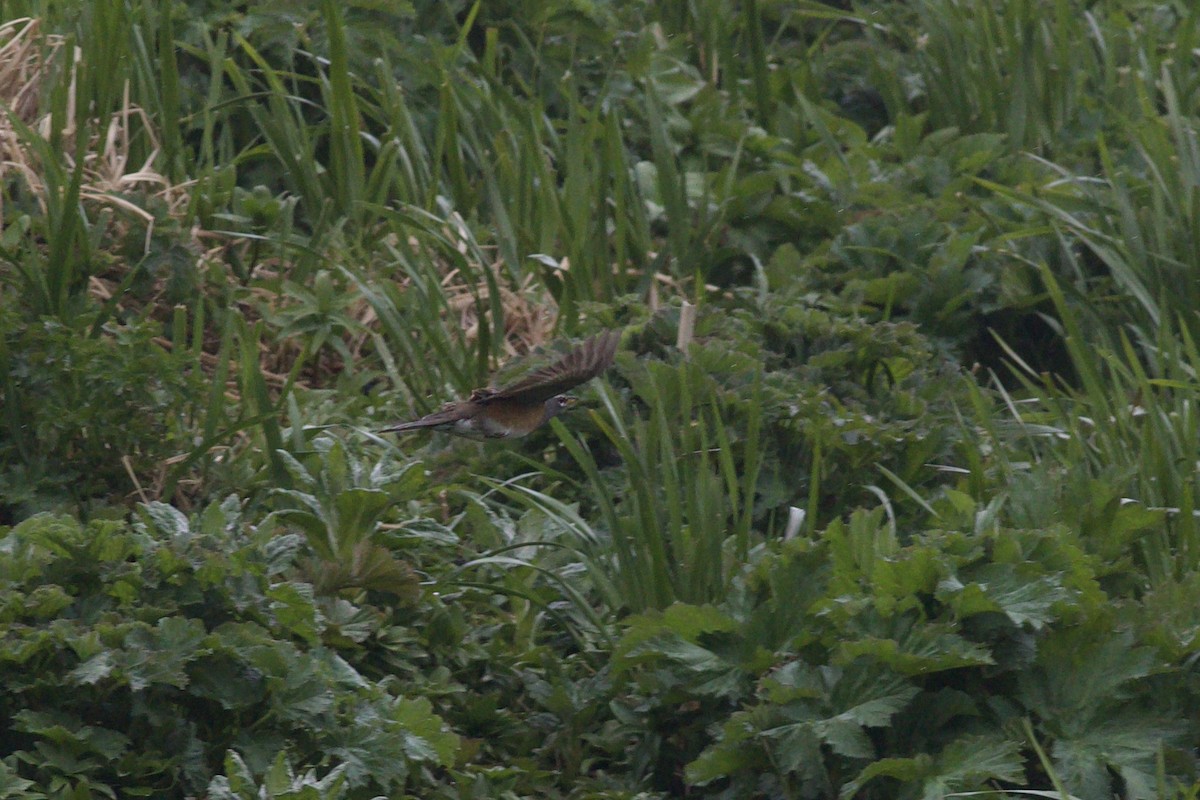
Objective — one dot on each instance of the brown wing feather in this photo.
(581, 364)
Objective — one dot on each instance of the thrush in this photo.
(524, 405)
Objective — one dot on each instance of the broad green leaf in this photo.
(418, 719)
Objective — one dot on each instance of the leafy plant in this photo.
(339, 510)
(279, 783)
(137, 656)
(86, 418)
(683, 517)
(846, 662)
(912, 515)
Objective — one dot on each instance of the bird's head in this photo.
(560, 403)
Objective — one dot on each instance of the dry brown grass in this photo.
(530, 313)
(27, 57)
(24, 61)
(24, 54)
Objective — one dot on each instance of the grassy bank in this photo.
(910, 512)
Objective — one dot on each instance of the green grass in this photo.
(913, 514)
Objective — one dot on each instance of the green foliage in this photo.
(913, 514)
(279, 783)
(853, 663)
(85, 417)
(339, 510)
(682, 519)
(135, 658)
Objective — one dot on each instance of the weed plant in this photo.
(891, 493)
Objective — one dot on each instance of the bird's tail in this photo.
(416, 424)
(437, 419)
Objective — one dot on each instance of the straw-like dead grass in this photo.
(30, 57)
(27, 58)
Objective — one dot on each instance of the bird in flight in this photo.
(524, 405)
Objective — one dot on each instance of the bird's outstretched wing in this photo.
(581, 364)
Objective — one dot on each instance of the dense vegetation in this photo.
(912, 512)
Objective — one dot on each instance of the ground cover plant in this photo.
(891, 491)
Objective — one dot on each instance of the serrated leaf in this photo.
(716, 762)
(218, 518)
(877, 712)
(93, 670)
(167, 520)
(425, 530)
(797, 748)
(297, 472)
(312, 525)
(922, 648)
(358, 511)
(682, 652)
(974, 760)
(1026, 599)
(369, 566)
(1080, 674)
(292, 604)
(1128, 743)
(279, 777)
(417, 717)
(160, 655)
(793, 681)
(897, 579)
(846, 737)
(905, 770)
(228, 682)
(46, 601)
(679, 620)
(280, 552)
